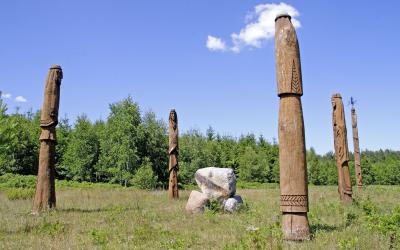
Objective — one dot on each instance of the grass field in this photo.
(116, 218)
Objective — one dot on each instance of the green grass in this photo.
(119, 218)
(19, 193)
(29, 182)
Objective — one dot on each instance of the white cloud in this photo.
(20, 99)
(260, 26)
(6, 95)
(215, 44)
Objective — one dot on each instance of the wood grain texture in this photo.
(357, 156)
(287, 53)
(341, 149)
(292, 153)
(173, 152)
(292, 149)
(45, 195)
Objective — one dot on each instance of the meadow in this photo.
(127, 218)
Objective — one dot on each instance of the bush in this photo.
(144, 177)
(10, 181)
(17, 181)
(99, 237)
(20, 193)
(214, 207)
(52, 229)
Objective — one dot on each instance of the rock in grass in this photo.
(196, 203)
(216, 183)
(233, 204)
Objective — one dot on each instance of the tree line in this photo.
(130, 148)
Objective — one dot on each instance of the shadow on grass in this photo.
(95, 210)
(83, 210)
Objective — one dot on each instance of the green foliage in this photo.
(214, 207)
(119, 142)
(17, 181)
(52, 229)
(116, 222)
(251, 167)
(84, 184)
(153, 145)
(256, 185)
(63, 140)
(127, 142)
(144, 177)
(174, 244)
(28, 182)
(268, 237)
(99, 237)
(20, 193)
(82, 152)
(350, 218)
(19, 143)
(369, 207)
(348, 244)
(387, 224)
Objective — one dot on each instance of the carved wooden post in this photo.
(357, 161)
(45, 196)
(341, 149)
(292, 149)
(173, 155)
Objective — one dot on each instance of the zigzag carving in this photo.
(294, 200)
(295, 79)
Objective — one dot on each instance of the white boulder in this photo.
(216, 183)
(233, 204)
(196, 202)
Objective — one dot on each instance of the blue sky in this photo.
(156, 51)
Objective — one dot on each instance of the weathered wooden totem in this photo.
(45, 196)
(357, 158)
(341, 149)
(292, 149)
(173, 155)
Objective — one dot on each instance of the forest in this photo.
(130, 148)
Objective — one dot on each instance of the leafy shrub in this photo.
(98, 236)
(51, 229)
(188, 187)
(214, 207)
(144, 177)
(29, 182)
(369, 207)
(350, 218)
(19, 193)
(348, 244)
(17, 181)
(388, 223)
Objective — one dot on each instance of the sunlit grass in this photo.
(118, 218)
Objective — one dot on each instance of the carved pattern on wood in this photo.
(295, 79)
(294, 200)
(292, 158)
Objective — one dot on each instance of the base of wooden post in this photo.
(295, 226)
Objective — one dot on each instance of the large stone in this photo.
(216, 183)
(196, 202)
(233, 204)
